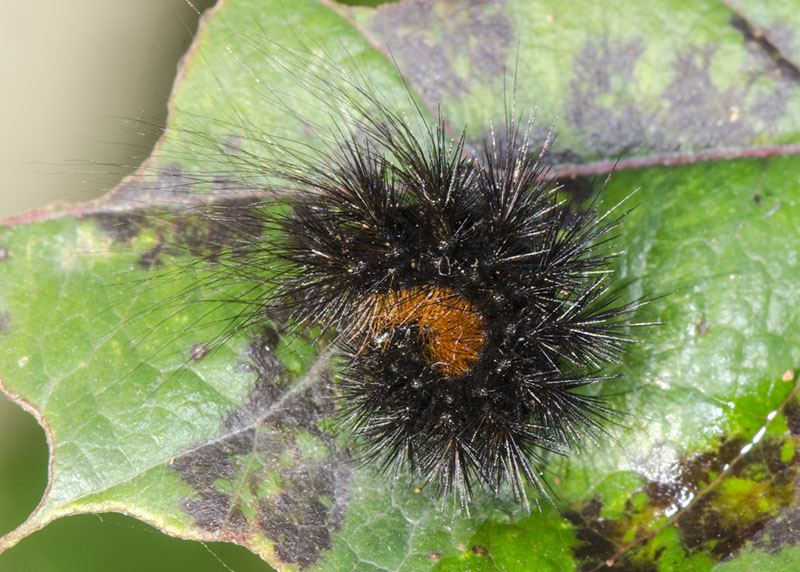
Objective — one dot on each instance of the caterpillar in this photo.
(469, 302)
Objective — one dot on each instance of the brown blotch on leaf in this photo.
(205, 232)
(301, 518)
(429, 39)
(308, 504)
(765, 45)
(213, 511)
(719, 521)
(202, 467)
(479, 550)
(198, 352)
(792, 413)
(593, 533)
(121, 228)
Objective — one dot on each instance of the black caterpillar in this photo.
(470, 303)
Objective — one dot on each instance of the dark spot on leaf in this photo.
(701, 116)
(207, 232)
(784, 530)
(202, 467)
(297, 520)
(702, 327)
(702, 528)
(757, 199)
(297, 495)
(591, 509)
(593, 547)
(431, 41)
(767, 61)
(122, 228)
(692, 113)
(199, 351)
(213, 510)
(663, 495)
(792, 413)
(603, 69)
(168, 183)
(763, 43)
(479, 550)
(203, 233)
(756, 493)
(783, 36)
(151, 257)
(433, 555)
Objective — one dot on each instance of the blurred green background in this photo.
(77, 73)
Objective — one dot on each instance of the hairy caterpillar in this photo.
(469, 303)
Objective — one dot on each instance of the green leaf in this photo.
(106, 346)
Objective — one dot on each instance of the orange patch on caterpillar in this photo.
(452, 328)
